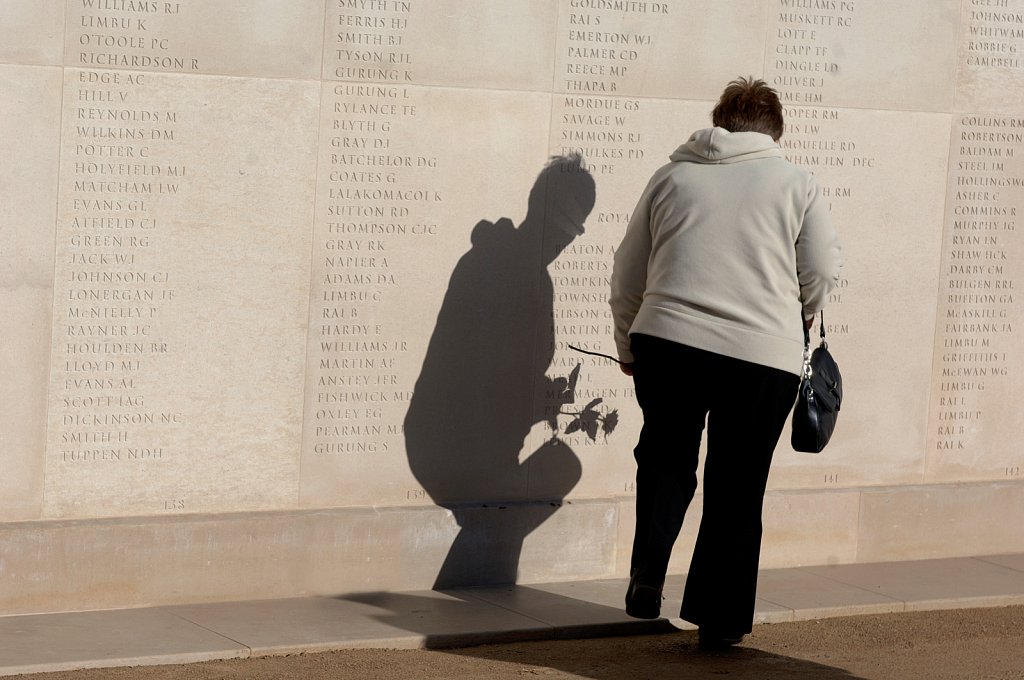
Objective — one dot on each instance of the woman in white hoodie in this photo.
(728, 253)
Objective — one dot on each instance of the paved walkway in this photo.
(166, 635)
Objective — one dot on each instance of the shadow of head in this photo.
(561, 199)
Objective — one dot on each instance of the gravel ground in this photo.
(964, 644)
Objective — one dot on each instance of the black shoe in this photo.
(710, 640)
(642, 601)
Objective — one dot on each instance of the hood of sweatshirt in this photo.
(718, 145)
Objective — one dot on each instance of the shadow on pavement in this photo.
(493, 624)
(671, 656)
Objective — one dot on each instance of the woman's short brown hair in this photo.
(749, 105)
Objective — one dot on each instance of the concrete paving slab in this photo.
(595, 608)
(451, 619)
(580, 609)
(933, 584)
(467, 617)
(769, 612)
(132, 637)
(395, 620)
(812, 596)
(1009, 561)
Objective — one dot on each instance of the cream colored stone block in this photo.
(116, 563)
(24, 364)
(809, 528)
(941, 521)
(255, 38)
(975, 419)
(582, 534)
(881, 319)
(990, 70)
(182, 276)
(675, 49)
(863, 54)
(29, 143)
(29, 131)
(423, 280)
(486, 43)
(135, 562)
(682, 552)
(32, 32)
(799, 529)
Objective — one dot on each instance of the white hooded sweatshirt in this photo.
(730, 247)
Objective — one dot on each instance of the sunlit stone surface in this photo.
(289, 289)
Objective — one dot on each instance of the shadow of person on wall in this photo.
(475, 400)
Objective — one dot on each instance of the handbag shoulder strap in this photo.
(821, 328)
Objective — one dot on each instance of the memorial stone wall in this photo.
(287, 289)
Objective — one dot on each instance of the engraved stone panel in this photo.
(29, 130)
(622, 141)
(887, 209)
(263, 38)
(489, 43)
(32, 32)
(422, 279)
(863, 54)
(990, 68)
(975, 417)
(181, 289)
(657, 49)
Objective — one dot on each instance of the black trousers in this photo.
(746, 406)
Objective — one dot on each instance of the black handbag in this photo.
(819, 398)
